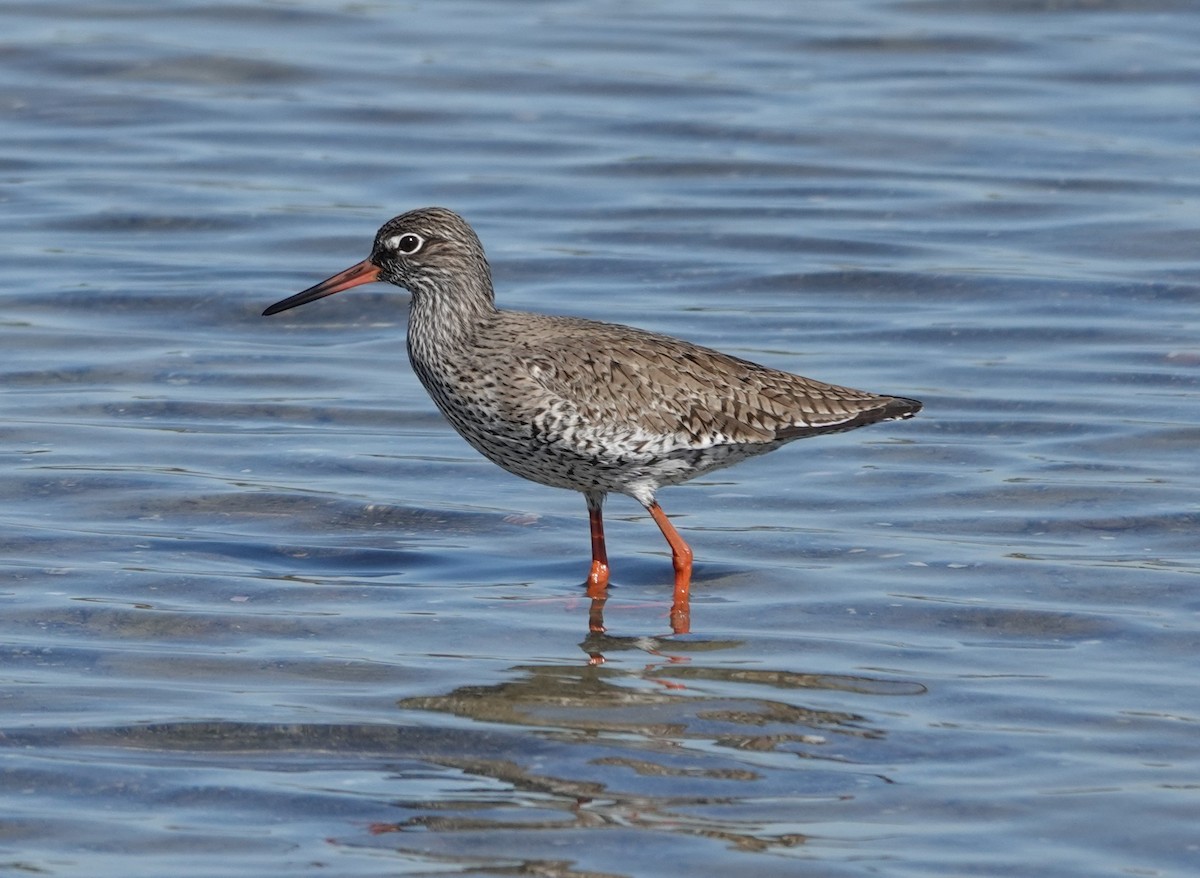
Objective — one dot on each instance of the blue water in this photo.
(265, 614)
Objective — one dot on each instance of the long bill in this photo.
(363, 273)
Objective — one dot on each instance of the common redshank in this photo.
(593, 407)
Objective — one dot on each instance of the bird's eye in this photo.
(406, 244)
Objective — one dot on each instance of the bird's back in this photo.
(643, 384)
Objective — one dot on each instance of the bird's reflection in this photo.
(598, 638)
(608, 745)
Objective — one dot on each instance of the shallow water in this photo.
(264, 613)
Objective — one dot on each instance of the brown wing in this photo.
(645, 383)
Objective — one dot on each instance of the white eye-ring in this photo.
(406, 244)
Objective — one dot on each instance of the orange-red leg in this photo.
(597, 580)
(681, 559)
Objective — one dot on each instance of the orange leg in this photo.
(597, 580)
(681, 559)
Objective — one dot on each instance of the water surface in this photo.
(265, 614)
